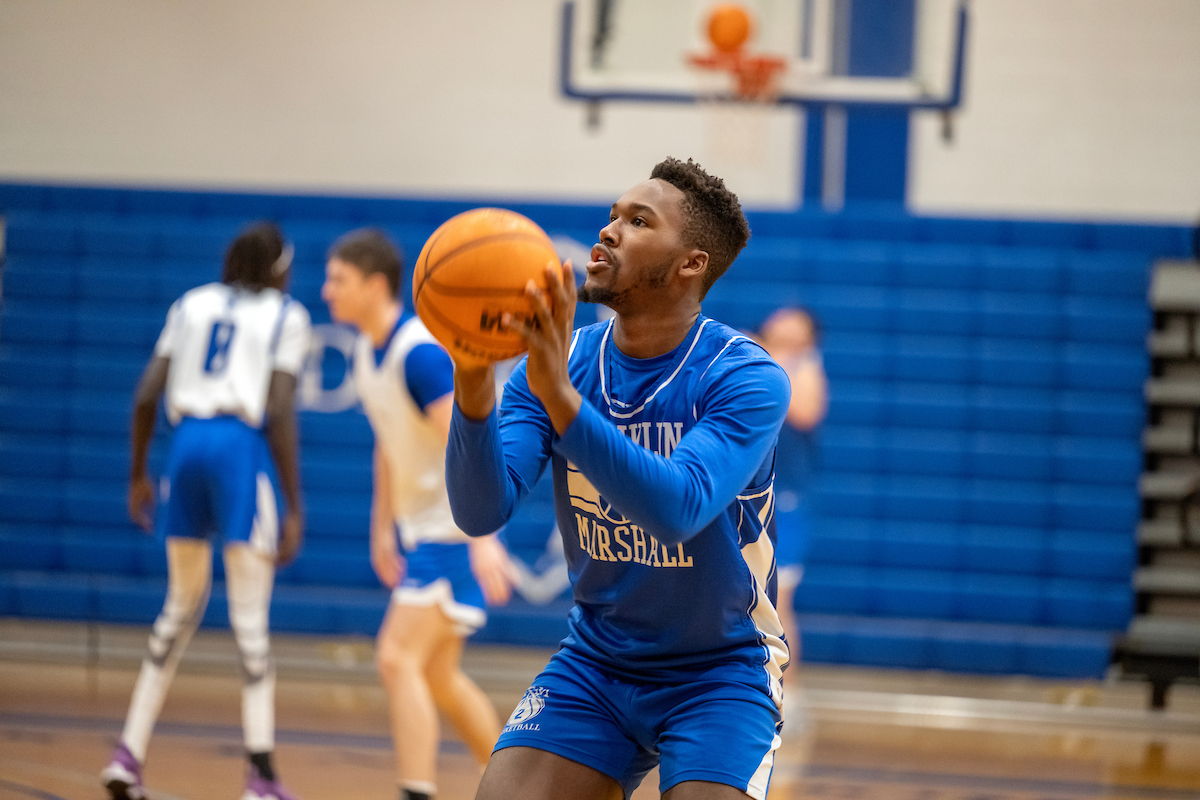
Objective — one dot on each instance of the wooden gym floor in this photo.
(870, 734)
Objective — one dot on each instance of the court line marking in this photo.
(32, 791)
(75, 776)
(219, 732)
(805, 772)
(986, 709)
(987, 783)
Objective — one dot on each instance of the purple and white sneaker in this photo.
(123, 776)
(259, 788)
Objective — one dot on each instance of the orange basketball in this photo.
(729, 27)
(473, 269)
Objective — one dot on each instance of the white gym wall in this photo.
(1074, 108)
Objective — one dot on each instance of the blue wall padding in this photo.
(977, 499)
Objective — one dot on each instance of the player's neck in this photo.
(652, 333)
(378, 326)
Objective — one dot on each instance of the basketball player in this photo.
(790, 336)
(445, 579)
(659, 427)
(227, 361)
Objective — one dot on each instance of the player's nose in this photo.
(608, 234)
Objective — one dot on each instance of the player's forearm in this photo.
(671, 498)
(475, 390)
(145, 411)
(562, 407)
(283, 438)
(382, 515)
(482, 496)
(284, 442)
(144, 417)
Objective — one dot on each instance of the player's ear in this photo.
(696, 264)
(378, 283)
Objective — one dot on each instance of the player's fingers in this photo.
(496, 590)
(539, 304)
(568, 283)
(556, 286)
(553, 273)
(380, 567)
(283, 555)
(560, 285)
(139, 510)
(571, 295)
(518, 327)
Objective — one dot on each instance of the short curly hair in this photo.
(714, 221)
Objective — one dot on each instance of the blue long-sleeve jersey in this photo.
(663, 492)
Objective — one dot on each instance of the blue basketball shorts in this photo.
(219, 484)
(438, 574)
(793, 531)
(704, 728)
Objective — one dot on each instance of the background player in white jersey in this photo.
(441, 585)
(227, 360)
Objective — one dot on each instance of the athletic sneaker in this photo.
(259, 788)
(123, 776)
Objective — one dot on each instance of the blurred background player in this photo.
(444, 580)
(791, 336)
(227, 360)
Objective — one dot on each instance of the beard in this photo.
(600, 295)
(654, 278)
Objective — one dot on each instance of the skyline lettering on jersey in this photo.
(620, 540)
(668, 435)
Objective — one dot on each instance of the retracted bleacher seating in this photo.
(978, 497)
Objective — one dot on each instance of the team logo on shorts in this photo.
(530, 706)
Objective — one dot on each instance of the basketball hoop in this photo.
(756, 78)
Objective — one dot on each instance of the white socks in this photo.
(249, 579)
(187, 595)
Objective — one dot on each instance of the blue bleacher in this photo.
(980, 458)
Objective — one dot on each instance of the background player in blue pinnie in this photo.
(659, 427)
(445, 579)
(227, 361)
(791, 336)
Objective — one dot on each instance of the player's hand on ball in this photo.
(493, 569)
(547, 332)
(385, 557)
(290, 539)
(141, 503)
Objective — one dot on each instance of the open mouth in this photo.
(601, 257)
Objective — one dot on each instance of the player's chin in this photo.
(591, 291)
(340, 315)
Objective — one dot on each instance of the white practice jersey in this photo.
(224, 342)
(414, 449)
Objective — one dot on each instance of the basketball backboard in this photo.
(614, 50)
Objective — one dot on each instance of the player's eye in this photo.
(639, 221)
(612, 217)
